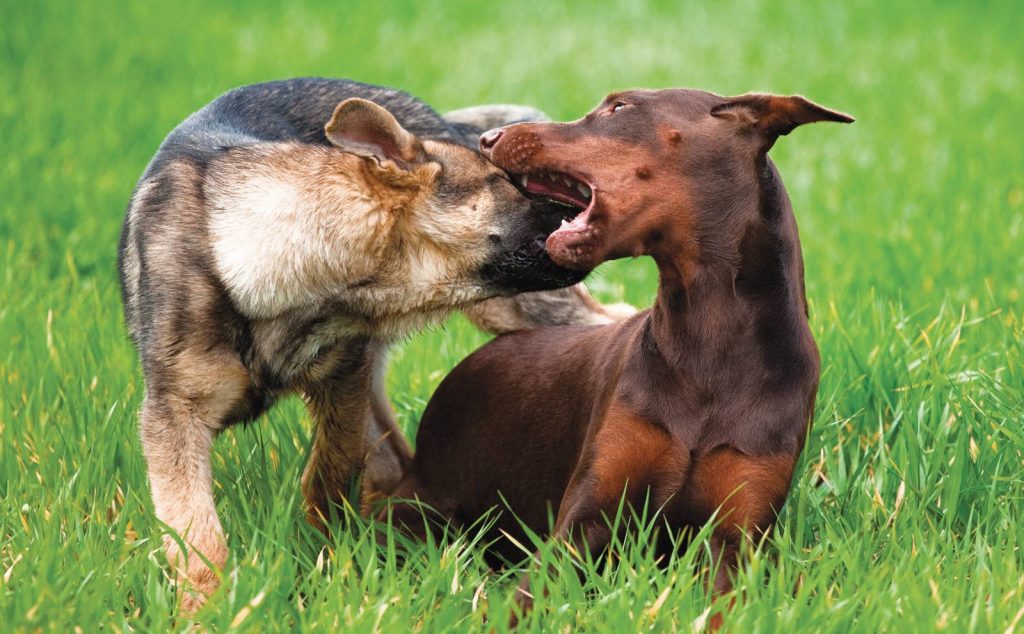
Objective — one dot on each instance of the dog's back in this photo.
(292, 110)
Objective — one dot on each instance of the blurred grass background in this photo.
(906, 509)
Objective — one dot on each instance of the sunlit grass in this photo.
(905, 513)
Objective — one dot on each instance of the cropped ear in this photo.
(365, 129)
(772, 116)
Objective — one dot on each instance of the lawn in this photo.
(906, 510)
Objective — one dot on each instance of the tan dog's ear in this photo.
(365, 129)
(773, 116)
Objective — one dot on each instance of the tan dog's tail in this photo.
(565, 306)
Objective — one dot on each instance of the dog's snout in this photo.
(488, 139)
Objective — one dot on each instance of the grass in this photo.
(906, 510)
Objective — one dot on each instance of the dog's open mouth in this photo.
(571, 244)
(560, 188)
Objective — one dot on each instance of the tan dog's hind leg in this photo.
(177, 448)
(177, 431)
(388, 455)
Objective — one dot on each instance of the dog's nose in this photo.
(489, 138)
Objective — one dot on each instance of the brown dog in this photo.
(703, 402)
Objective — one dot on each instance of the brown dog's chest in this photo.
(692, 463)
(728, 405)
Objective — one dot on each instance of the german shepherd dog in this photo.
(279, 240)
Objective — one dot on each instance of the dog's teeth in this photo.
(525, 180)
(565, 224)
(583, 190)
(567, 182)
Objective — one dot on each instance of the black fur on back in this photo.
(293, 110)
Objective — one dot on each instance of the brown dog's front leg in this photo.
(586, 536)
(745, 492)
(582, 523)
(626, 456)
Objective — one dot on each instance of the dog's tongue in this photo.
(571, 245)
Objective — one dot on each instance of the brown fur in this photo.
(626, 449)
(703, 402)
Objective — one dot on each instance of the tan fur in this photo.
(340, 407)
(291, 229)
(630, 454)
(388, 454)
(177, 433)
(747, 490)
(572, 305)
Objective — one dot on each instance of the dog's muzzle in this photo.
(528, 268)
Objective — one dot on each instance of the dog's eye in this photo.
(618, 106)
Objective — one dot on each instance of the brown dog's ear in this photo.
(366, 129)
(773, 116)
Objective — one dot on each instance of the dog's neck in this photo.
(709, 302)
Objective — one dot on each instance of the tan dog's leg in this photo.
(341, 411)
(388, 454)
(177, 429)
(490, 116)
(177, 447)
(573, 305)
(178, 423)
